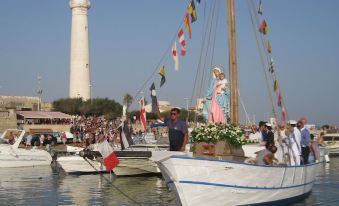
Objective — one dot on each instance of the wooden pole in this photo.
(234, 109)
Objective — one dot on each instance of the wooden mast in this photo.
(234, 107)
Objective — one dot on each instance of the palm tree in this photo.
(128, 99)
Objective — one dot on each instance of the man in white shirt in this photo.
(294, 143)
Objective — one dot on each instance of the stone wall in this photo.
(23, 103)
(7, 119)
(53, 127)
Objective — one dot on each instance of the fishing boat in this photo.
(132, 162)
(13, 156)
(216, 180)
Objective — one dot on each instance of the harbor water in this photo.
(48, 186)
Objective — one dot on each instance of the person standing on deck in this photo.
(177, 130)
(305, 141)
(294, 144)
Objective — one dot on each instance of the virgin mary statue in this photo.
(216, 104)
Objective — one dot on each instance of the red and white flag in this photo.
(182, 42)
(143, 113)
(175, 56)
(279, 100)
(110, 159)
(283, 115)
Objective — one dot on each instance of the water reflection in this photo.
(46, 186)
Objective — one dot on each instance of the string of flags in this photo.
(263, 29)
(189, 17)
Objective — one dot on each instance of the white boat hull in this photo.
(23, 158)
(126, 167)
(202, 181)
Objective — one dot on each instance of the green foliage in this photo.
(94, 107)
(213, 133)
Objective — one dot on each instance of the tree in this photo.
(94, 107)
(128, 99)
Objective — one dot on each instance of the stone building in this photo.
(7, 119)
(10, 104)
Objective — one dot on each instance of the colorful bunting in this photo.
(154, 98)
(279, 100)
(162, 74)
(260, 8)
(182, 42)
(191, 10)
(276, 86)
(143, 113)
(263, 28)
(269, 47)
(187, 25)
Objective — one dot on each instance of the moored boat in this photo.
(13, 156)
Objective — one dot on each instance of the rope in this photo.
(108, 181)
(198, 71)
(243, 106)
(274, 75)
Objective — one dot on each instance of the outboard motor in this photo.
(86, 153)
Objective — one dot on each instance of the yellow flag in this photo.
(269, 47)
(276, 86)
(162, 74)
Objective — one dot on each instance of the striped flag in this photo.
(143, 113)
(175, 56)
(182, 42)
(188, 25)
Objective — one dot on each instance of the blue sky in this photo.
(128, 38)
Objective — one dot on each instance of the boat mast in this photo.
(234, 109)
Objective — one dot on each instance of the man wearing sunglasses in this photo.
(177, 130)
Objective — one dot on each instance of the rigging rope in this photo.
(199, 69)
(262, 60)
(265, 41)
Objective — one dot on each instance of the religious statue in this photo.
(216, 104)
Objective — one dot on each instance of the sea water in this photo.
(46, 185)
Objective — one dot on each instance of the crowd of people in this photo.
(292, 145)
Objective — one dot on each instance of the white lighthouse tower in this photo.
(79, 84)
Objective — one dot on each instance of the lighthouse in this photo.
(79, 82)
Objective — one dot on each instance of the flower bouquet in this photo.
(217, 140)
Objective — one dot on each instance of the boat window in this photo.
(336, 139)
(328, 138)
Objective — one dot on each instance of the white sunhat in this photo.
(268, 124)
(292, 122)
